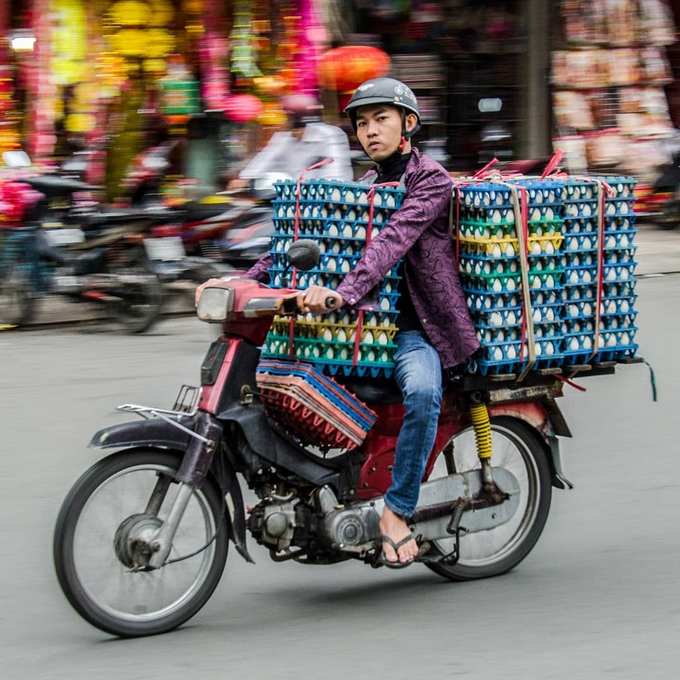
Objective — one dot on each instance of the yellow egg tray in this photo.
(509, 247)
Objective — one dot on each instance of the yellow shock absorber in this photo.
(482, 426)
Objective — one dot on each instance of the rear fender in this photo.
(158, 434)
(546, 419)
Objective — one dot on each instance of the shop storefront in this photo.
(610, 72)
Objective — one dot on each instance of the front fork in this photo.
(205, 438)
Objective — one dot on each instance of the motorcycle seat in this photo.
(374, 391)
(53, 186)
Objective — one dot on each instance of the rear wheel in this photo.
(517, 448)
(103, 531)
(140, 296)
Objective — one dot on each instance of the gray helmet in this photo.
(383, 91)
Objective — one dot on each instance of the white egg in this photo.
(385, 304)
(495, 319)
(497, 286)
(511, 318)
(510, 250)
(549, 348)
(511, 352)
(498, 354)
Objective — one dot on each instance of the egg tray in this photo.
(336, 394)
(581, 243)
(538, 280)
(512, 316)
(504, 217)
(586, 210)
(579, 190)
(619, 306)
(623, 186)
(491, 336)
(332, 221)
(479, 230)
(509, 247)
(328, 332)
(312, 406)
(335, 367)
(334, 190)
(619, 208)
(621, 224)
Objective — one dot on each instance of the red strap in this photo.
(566, 380)
(357, 336)
(483, 172)
(553, 164)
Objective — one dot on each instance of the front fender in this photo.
(158, 434)
(155, 433)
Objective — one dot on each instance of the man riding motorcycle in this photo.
(435, 329)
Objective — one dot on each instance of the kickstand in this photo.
(454, 529)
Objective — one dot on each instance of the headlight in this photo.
(215, 304)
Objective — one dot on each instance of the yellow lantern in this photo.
(159, 43)
(157, 66)
(130, 13)
(162, 13)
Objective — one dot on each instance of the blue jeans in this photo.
(419, 375)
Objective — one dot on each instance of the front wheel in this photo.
(517, 448)
(104, 526)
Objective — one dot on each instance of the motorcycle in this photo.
(142, 538)
(102, 262)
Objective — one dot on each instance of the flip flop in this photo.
(395, 546)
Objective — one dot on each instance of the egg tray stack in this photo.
(336, 216)
(491, 273)
(313, 406)
(580, 257)
(618, 313)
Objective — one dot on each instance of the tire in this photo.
(17, 300)
(670, 216)
(534, 516)
(71, 570)
(140, 307)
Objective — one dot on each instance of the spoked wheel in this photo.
(17, 300)
(103, 533)
(141, 296)
(490, 553)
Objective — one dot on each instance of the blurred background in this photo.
(178, 115)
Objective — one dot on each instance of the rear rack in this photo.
(539, 381)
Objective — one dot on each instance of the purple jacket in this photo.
(419, 233)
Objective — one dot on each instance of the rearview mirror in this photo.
(304, 254)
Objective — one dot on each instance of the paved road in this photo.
(599, 597)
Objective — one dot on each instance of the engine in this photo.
(317, 525)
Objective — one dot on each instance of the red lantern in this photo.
(345, 68)
(242, 108)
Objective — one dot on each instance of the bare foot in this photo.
(393, 526)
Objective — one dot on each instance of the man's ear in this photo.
(411, 122)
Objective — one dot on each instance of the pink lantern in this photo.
(242, 108)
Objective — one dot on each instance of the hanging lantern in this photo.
(344, 68)
(242, 108)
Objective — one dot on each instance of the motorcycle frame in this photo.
(230, 432)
